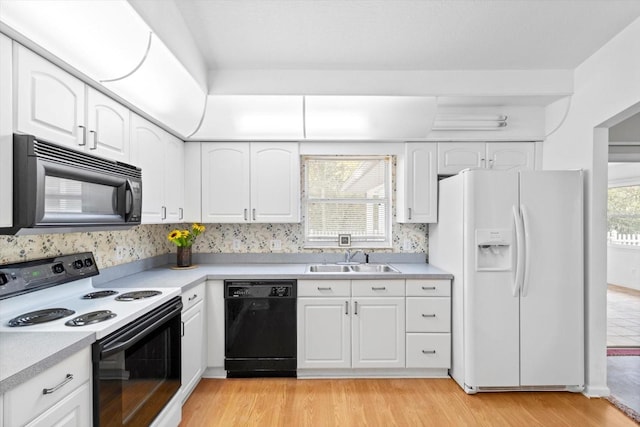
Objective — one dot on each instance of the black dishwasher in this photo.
(260, 328)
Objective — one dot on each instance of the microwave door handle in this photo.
(128, 198)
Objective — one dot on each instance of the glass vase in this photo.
(184, 256)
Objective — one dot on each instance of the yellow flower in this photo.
(186, 237)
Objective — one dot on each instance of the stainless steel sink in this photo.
(353, 269)
(373, 268)
(329, 268)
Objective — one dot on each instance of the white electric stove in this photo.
(57, 295)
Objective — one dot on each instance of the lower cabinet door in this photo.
(428, 350)
(378, 330)
(73, 410)
(192, 348)
(324, 334)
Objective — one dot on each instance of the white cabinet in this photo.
(108, 127)
(456, 156)
(68, 400)
(357, 324)
(161, 157)
(54, 105)
(250, 182)
(193, 339)
(428, 323)
(417, 184)
(50, 102)
(6, 133)
(215, 328)
(324, 333)
(378, 328)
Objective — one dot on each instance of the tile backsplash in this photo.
(123, 246)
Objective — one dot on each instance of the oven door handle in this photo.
(137, 331)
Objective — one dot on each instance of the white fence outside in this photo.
(623, 239)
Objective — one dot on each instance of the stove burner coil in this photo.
(99, 294)
(89, 318)
(135, 295)
(40, 316)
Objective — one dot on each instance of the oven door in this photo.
(136, 369)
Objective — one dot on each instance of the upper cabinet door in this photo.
(6, 134)
(108, 124)
(225, 182)
(418, 202)
(275, 182)
(149, 155)
(50, 102)
(456, 156)
(513, 156)
(174, 179)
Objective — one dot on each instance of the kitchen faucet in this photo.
(348, 256)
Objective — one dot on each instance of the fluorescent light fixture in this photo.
(164, 89)
(368, 117)
(273, 117)
(469, 122)
(103, 39)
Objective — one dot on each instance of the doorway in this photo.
(623, 266)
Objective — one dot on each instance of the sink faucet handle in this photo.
(351, 255)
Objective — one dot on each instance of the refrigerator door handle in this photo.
(517, 280)
(527, 250)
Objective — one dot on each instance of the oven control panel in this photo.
(23, 277)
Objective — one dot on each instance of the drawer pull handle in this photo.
(428, 352)
(346, 308)
(68, 378)
(428, 315)
(325, 288)
(193, 297)
(355, 310)
(428, 288)
(380, 288)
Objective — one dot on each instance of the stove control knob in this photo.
(88, 262)
(58, 268)
(3, 279)
(77, 264)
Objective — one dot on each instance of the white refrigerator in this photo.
(514, 243)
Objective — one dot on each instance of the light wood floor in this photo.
(390, 402)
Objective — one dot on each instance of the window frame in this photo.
(356, 242)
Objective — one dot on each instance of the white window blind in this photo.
(348, 195)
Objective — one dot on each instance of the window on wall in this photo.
(623, 215)
(347, 195)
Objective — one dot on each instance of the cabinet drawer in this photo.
(324, 288)
(428, 350)
(192, 297)
(377, 288)
(428, 287)
(429, 314)
(27, 400)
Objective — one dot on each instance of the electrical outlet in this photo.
(406, 245)
(236, 244)
(275, 245)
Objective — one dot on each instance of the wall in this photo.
(605, 86)
(119, 247)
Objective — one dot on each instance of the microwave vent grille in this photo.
(58, 154)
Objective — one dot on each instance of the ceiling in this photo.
(401, 34)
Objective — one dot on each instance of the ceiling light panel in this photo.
(102, 39)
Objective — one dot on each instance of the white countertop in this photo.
(25, 354)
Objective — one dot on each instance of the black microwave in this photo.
(59, 189)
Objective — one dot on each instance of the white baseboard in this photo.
(372, 373)
(214, 373)
(594, 391)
